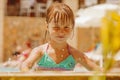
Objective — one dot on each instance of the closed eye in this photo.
(67, 28)
(56, 28)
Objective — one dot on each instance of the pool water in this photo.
(9, 69)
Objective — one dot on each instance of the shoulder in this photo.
(39, 49)
(75, 52)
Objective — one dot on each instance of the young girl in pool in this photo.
(57, 54)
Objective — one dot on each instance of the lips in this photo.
(60, 36)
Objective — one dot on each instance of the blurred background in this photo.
(24, 20)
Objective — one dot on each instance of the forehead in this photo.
(60, 14)
(59, 24)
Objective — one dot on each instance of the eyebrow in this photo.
(61, 25)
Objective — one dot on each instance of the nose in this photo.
(61, 31)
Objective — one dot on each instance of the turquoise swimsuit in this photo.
(47, 63)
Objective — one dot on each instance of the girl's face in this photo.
(59, 33)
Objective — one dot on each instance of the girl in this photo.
(57, 54)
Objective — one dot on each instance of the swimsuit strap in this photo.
(68, 48)
(47, 48)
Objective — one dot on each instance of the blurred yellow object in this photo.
(115, 15)
(110, 37)
(105, 38)
(12, 78)
(96, 77)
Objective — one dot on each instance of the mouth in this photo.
(60, 36)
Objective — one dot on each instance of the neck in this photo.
(54, 44)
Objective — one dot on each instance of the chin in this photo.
(57, 40)
(61, 41)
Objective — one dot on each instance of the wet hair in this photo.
(60, 13)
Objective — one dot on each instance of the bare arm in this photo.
(84, 60)
(89, 64)
(24, 55)
(28, 63)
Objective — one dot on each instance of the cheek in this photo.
(52, 32)
(69, 32)
(69, 35)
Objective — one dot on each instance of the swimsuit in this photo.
(47, 63)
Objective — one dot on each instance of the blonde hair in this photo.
(60, 12)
